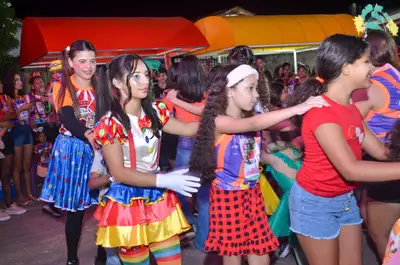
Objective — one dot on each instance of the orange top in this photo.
(67, 99)
(182, 114)
(86, 103)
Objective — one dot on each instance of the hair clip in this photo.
(320, 79)
(68, 48)
(378, 20)
(36, 74)
(39, 129)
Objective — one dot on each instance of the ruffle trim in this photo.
(128, 202)
(259, 247)
(116, 214)
(143, 235)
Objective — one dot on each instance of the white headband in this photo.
(239, 73)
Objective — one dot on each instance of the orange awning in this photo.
(43, 38)
(224, 33)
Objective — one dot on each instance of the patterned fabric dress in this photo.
(393, 246)
(238, 221)
(24, 116)
(134, 216)
(42, 110)
(280, 220)
(66, 182)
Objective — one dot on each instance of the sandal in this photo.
(33, 198)
(27, 202)
(52, 211)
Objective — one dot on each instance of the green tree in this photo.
(8, 36)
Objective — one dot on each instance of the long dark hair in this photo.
(9, 84)
(203, 159)
(190, 80)
(70, 52)
(334, 52)
(383, 49)
(241, 54)
(211, 75)
(171, 77)
(108, 99)
(277, 88)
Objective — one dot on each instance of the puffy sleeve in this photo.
(108, 130)
(167, 103)
(162, 112)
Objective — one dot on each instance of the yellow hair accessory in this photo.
(55, 66)
(373, 17)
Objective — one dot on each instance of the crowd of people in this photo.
(186, 155)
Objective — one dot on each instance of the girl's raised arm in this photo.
(227, 124)
(174, 126)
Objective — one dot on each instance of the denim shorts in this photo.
(319, 217)
(22, 135)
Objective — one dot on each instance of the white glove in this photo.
(178, 182)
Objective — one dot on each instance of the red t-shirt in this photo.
(317, 175)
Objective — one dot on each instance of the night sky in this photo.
(190, 9)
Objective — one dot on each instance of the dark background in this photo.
(190, 9)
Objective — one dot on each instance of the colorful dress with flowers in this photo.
(42, 110)
(132, 216)
(24, 116)
(393, 244)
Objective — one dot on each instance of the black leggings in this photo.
(73, 230)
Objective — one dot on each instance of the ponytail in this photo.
(307, 89)
(203, 159)
(264, 91)
(66, 84)
(107, 101)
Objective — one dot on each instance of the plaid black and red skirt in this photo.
(239, 224)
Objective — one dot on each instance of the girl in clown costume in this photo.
(140, 212)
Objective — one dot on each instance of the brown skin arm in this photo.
(333, 143)
(373, 146)
(177, 127)
(98, 181)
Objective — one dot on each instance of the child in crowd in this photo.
(99, 179)
(226, 153)
(42, 150)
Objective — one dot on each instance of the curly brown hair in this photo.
(264, 91)
(393, 143)
(203, 159)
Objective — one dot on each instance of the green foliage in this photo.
(8, 64)
(8, 35)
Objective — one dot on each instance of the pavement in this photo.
(36, 238)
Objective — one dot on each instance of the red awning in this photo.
(44, 38)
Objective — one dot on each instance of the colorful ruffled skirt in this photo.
(133, 216)
(66, 182)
